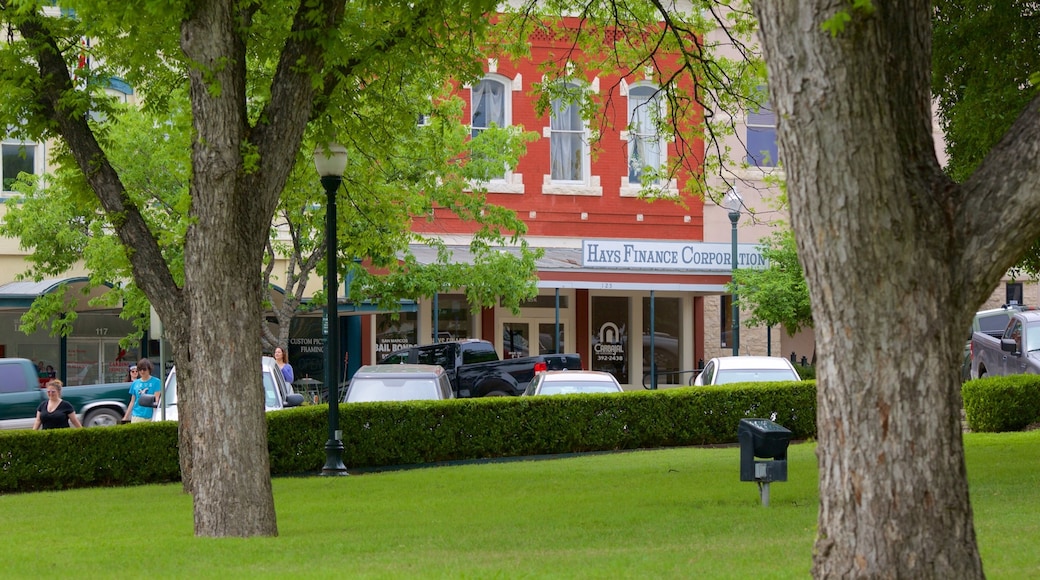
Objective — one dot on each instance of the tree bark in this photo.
(226, 427)
(897, 258)
(233, 201)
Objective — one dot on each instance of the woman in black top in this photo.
(55, 413)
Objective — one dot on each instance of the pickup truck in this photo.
(475, 369)
(20, 395)
(1014, 351)
(992, 322)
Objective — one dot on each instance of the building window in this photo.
(726, 320)
(16, 158)
(568, 151)
(491, 108)
(645, 146)
(454, 317)
(395, 333)
(761, 135)
(490, 105)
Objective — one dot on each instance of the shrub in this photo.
(415, 432)
(1002, 403)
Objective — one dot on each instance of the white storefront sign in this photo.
(681, 256)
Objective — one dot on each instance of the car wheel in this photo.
(102, 418)
(497, 394)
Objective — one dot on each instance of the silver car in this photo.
(572, 382)
(277, 394)
(746, 369)
(403, 382)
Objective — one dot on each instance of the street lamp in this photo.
(331, 162)
(733, 202)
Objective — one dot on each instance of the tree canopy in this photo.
(265, 82)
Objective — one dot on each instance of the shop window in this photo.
(667, 348)
(726, 320)
(394, 333)
(454, 317)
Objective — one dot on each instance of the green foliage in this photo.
(415, 432)
(1007, 403)
(984, 59)
(807, 372)
(399, 171)
(98, 456)
(836, 24)
(777, 294)
(61, 220)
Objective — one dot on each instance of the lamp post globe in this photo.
(331, 161)
(734, 203)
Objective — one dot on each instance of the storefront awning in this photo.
(21, 294)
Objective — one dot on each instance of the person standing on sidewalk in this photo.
(55, 412)
(145, 384)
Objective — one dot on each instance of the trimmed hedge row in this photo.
(388, 434)
(1009, 403)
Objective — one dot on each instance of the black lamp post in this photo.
(733, 202)
(331, 162)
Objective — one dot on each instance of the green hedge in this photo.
(100, 456)
(388, 434)
(1008, 403)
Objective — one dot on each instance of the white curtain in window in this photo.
(489, 105)
(644, 142)
(566, 143)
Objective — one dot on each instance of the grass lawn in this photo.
(673, 513)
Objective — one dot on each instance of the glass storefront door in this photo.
(518, 338)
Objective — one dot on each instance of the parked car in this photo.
(746, 369)
(403, 382)
(277, 394)
(572, 382)
(992, 322)
(20, 396)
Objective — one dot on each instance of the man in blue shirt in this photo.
(145, 384)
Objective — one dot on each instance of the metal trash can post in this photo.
(767, 440)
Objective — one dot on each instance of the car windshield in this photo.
(573, 387)
(366, 390)
(725, 376)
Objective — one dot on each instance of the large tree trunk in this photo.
(224, 404)
(233, 201)
(896, 259)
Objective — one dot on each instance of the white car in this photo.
(746, 369)
(572, 382)
(277, 394)
(399, 382)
